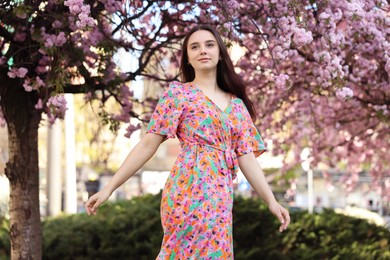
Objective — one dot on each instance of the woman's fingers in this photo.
(284, 219)
(95, 201)
(287, 218)
(95, 206)
(91, 205)
(283, 216)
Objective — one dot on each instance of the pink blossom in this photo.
(86, 9)
(57, 24)
(84, 21)
(131, 129)
(324, 16)
(41, 69)
(284, 24)
(302, 37)
(323, 56)
(60, 39)
(232, 5)
(20, 72)
(39, 82)
(52, 39)
(27, 85)
(49, 39)
(279, 53)
(56, 107)
(39, 105)
(74, 5)
(112, 6)
(31, 84)
(280, 81)
(82, 12)
(42, 51)
(344, 93)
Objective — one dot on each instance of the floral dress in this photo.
(197, 200)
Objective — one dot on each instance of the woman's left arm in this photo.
(251, 168)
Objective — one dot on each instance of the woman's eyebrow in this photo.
(208, 41)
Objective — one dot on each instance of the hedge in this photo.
(132, 230)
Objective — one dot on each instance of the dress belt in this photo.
(230, 154)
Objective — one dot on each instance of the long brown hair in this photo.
(227, 78)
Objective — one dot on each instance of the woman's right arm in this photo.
(137, 157)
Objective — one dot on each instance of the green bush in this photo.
(255, 230)
(333, 236)
(122, 230)
(132, 230)
(5, 244)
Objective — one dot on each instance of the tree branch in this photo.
(83, 88)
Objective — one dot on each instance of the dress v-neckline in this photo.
(211, 101)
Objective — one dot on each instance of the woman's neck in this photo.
(206, 80)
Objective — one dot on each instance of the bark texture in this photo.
(22, 171)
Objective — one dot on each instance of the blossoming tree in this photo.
(52, 47)
(318, 72)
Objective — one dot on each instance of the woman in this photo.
(210, 114)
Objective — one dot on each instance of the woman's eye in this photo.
(210, 45)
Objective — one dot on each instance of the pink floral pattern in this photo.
(196, 206)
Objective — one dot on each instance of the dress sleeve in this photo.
(248, 137)
(167, 114)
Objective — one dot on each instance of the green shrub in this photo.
(5, 244)
(255, 230)
(132, 230)
(122, 230)
(333, 236)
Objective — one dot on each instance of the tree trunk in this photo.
(23, 172)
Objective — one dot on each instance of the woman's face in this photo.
(203, 50)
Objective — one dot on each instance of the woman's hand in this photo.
(281, 213)
(96, 200)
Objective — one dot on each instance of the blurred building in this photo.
(332, 193)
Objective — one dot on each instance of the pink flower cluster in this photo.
(56, 106)
(336, 57)
(111, 5)
(17, 72)
(51, 40)
(81, 11)
(301, 36)
(233, 5)
(30, 85)
(286, 31)
(344, 93)
(131, 129)
(382, 108)
(43, 64)
(280, 81)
